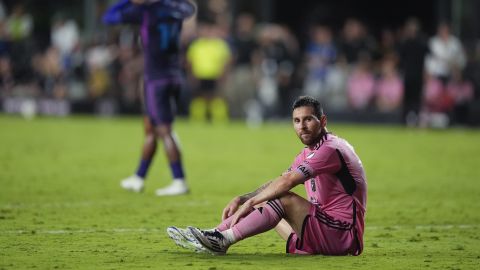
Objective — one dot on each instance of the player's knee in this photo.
(150, 137)
(287, 199)
(163, 132)
(291, 200)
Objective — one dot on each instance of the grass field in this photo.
(61, 206)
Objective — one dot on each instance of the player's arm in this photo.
(236, 202)
(179, 9)
(123, 11)
(243, 198)
(325, 160)
(275, 189)
(233, 205)
(278, 187)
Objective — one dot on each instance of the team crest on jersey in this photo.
(313, 185)
(311, 155)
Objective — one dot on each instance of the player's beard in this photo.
(311, 139)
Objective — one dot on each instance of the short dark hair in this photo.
(303, 101)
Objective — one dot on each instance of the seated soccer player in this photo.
(330, 222)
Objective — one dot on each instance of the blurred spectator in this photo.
(241, 85)
(7, 81)
(336, 84)
(412, 52)
(19, 23)
(472, 73)
(127, 69)
(389, 85)
(320, 54)
(3, 11)
(461, 91)
(446, 54)
(472, 70)
(286, 70)
(437, 104)
(360, 85)
(65, 37)
(19, 27)
(355, 41)
(50, 71)
(209, 58)
(98, 58)
(387, 44)
(4, 40)
(274, 65)
(215, 12)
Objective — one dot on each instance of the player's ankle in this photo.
(229, 236)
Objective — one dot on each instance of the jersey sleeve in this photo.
(178, 9)
(123, 12)
(323, 160)
(297, 161)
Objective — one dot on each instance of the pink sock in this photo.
(259, 221)
(226, 223)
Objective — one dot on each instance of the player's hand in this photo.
(242, 211)
(231, 208)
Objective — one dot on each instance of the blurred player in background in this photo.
(160, 27)
(330, 222)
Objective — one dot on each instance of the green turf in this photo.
(61, 206)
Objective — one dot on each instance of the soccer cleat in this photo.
(211, 240)
(177, 187)
(133, 183)
(185, 239)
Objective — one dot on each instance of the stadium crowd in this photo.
(424, 80)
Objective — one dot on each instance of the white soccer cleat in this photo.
(177, 187)
(185, 239)
(212, 240)
(133, 183)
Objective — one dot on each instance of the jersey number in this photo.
(168, 35)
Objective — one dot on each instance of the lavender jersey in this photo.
(335, 181)
(160, 26)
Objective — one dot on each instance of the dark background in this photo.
(376, 14)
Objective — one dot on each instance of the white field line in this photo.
(423, 227)
(157, 230)
(86, 204)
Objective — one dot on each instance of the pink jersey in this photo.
(336, 182)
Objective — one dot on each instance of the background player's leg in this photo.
(149, 148)
(172, 150)
(135, 182)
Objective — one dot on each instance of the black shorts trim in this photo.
(302, 233)
(333, 223)
(288, 243)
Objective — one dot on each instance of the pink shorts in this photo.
(322, 234)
